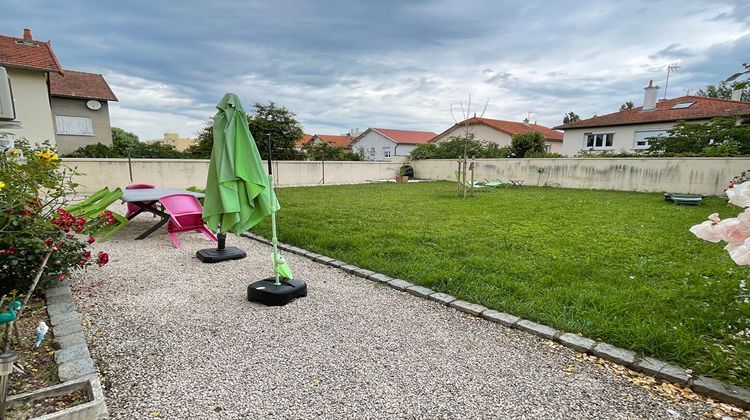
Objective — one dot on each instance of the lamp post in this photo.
(6, 367)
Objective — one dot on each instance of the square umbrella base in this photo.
(215, 255)
(268, 293)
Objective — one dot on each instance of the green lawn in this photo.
(616, 266)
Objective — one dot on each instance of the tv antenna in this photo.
(670, 69)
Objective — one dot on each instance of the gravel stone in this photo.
(72, 316)
(649, 366)
(67, 328)
(721, 391)
(673, 373)
(442, 298)
(58, 291)
(420, 291)
(75, 369)
(69, 340)
(614, 354)
(536, 329)
(467, 307)
(180, 339)
(399, 284)
(500, 317)
(380, 278)
(577, 342)
(78, 351)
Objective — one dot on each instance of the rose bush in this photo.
(735, 231)
(34, 227)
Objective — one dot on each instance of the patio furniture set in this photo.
(489, 185)
(179, 209)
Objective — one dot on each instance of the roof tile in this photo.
(406, 136)
(33, 55)
(77, 84)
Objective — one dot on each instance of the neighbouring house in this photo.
(28, 64)
(302, 141)
(332, 140)
(501, 132)
(629, 130)
(174, 140)
(384, 143)
(80, 109)
(67, 108)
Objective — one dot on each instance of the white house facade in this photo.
(381, 144)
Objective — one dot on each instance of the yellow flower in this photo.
(2, 185)
(14, 152)
(48, 155)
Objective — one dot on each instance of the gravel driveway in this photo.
(177, 339)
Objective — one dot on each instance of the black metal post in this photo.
(270, 171)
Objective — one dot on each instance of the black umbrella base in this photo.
(268, 293)
(215, 255)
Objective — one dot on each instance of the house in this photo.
(332, 140)
(383, 143)
(173, 139)
(67, 108)
(302, 141)
(501, 132)
(629, 130)
(28, 64)
(80, 109)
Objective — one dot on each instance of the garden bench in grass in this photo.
(684, 199)
(92, 206)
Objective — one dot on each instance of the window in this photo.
(640, 138)
(74, 126)
(547, 148)
(372, 153)
(682, 105)
(599, 140)
(386, 152)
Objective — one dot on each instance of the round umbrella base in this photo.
(215, 255)
(268, 293)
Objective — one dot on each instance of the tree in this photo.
(570, 117)
(721, 136)
(723, 90)
(455, 146)
(627, 105)
(201, 149)
(324, 151)
(124, 144)
(527, 144)
(281, 124)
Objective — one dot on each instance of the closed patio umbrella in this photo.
(239, 195)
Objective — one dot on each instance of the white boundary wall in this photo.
(709, 176)
(183, 173)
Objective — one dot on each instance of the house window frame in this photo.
(386, 152)
(60, 132)
(648, 145)
(604, 140)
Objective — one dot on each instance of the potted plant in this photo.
(403, 176)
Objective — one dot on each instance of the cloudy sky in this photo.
(387, 63)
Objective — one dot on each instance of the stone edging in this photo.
(703, 385)
(72, 357)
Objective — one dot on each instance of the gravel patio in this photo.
(177, 339)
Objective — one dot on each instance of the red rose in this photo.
(87, 254)
(9, 251)
(91, 240)
(48, 242)
(102, 258)
(61, 277)
(27, 212)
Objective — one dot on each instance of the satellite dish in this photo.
(94, 105)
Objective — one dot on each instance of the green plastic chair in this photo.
(494, 184)
(94, 208)
(93, 198)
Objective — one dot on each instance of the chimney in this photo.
(649, 97)
(27, 35)
(737, 95)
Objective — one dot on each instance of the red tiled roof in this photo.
(33, 55)
(406, 136)
(703, 108)
(335, 141)
(77, 84)
(509, 127)
(303, 140)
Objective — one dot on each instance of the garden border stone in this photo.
(702, 385)
(73, 358)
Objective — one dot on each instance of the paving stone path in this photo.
(177, 339)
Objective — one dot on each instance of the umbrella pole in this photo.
(274, 240)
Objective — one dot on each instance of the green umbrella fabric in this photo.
(238, 192)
